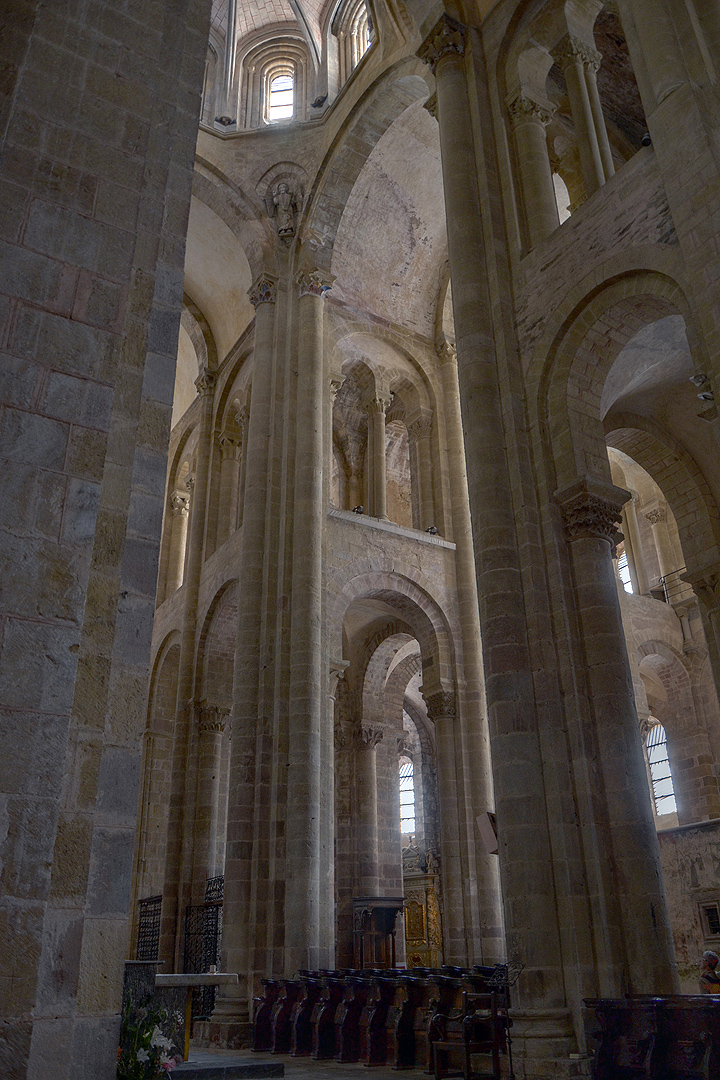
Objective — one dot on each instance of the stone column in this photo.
(633, 547)
(525, 852)
(368, 735)
(232, 1004)
(229, 486)
(491, 947)
(212, 720)
(179, 512)
(668, 561)
(529, 119)
(579, 62)
(241, 419)
(377, 463)
(178, 875)
(227, 110)
(637, 954)
(304, 935)
(336, 381)
(706, 584)
(423, 502)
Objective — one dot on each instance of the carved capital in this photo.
(592, 509)
(179, 503)
(212, 719)
(205, 382)
(706, 584)
(432, 106)
(369, 735)
(572, 50)
(656, 515)
(524, 110)
(441, 705)
(230, 446)
(447, 38)
(421, 428)
(378, 404)
(313, 283)
(263, 290)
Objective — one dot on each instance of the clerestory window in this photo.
(407, 797)
(281, 97)
(624, 571)
(662, 781)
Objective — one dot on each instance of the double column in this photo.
(179, 513)
(377, 407)
(580, 62)
(368, 735)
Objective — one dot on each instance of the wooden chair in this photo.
(479, 1027)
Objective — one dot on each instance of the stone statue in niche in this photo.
(283, 204)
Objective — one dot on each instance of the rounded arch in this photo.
(680, 480)
(578, 359)
(411, 601)
(216, 646)
(380, 105)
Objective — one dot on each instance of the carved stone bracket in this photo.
(212, 719)
(263, 290)
(205, 382)
(441, 705)
(525, 110)
(447, 352)
(313, 283)
(592, 509)
(369, 735)
(571, 49)
(446, 38)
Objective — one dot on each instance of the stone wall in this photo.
(691, 868)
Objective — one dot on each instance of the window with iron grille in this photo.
(710, 914)
(407, 796)
(148, 942)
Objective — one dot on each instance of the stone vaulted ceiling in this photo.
(252, 17)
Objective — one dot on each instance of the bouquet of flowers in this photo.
(144, 1052)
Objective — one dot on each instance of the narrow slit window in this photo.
(407, 797)
(281, 97)
(662, 782)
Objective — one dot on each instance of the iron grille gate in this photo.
(203, 932)
(148, 941)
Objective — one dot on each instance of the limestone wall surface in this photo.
(691, 867)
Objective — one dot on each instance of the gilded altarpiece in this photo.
(423, 925)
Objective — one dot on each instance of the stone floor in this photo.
(231, 1064)
(243, 1064)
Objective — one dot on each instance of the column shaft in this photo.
(211, 725)
(229, 488)
(308, 677)
(541, 214)
(573, 64)
(423, 501)
(179, 510)
(377, 486)
(368, 736)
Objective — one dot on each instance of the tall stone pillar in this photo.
(532, 924)
(490, 948)
(211, 727)
(307, 942)
(529, 119)
(638, 953)
(633, 548)
(177, 886)
(232, 1004)
(668, 560)
(368, 736)
(579, 63)
(377, 407)
(179, 512)
(230, 446)
(421, 474)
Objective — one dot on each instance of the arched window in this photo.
(353, 29)
(281, 91)
(624, 569)
(407, 797)
(662, 782)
